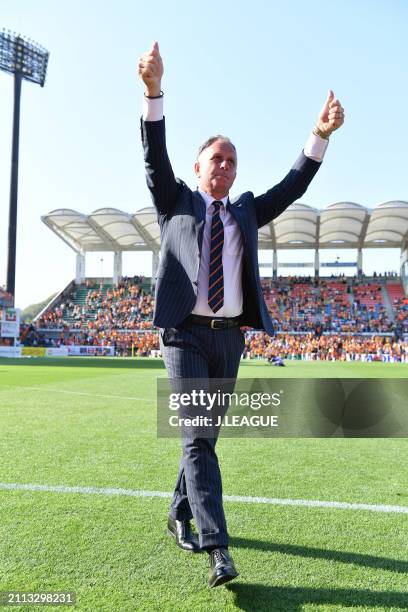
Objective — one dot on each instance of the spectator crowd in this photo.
(311, 347)
(326, 318)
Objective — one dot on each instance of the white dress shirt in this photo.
(232, 262)
(232, 259)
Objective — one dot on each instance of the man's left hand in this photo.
(331, 116)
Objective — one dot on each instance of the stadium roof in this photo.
(343, 225)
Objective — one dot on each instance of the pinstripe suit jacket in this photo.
(181, 216)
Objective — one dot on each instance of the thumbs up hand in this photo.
(151, 70)
(331, 116)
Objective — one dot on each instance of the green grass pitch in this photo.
(91, 423)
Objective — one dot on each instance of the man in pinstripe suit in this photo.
(208, 286)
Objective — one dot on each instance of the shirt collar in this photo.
(209, 199)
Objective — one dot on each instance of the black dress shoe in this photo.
(183, 534)
(222, 567)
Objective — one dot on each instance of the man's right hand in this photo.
(151, 70)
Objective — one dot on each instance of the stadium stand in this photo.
(344, 305)
(323, 317)
(327, 318)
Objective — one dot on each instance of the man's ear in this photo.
(197, 169)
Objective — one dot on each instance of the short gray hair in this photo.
(211, 141)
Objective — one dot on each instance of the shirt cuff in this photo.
(152, 109)
(315, 147)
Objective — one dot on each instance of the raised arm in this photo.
(271, 204)
(159, 174)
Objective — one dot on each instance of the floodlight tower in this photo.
(26, 60)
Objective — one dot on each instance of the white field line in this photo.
(309, 503)
(50, 390)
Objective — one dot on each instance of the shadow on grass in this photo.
(88, 362)
(381, 563)
(261, 598)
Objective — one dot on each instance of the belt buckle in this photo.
(214, 321)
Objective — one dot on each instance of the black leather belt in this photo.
(223, 323)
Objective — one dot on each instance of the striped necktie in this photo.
(216, 272)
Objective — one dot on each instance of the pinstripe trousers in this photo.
(193, 351)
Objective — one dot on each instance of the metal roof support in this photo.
(80, 268)
(363, 231)
(275, 263)
(404, 256)
(273, 234)
(117, 267)
(316, 263)
(150, 242)
(317, 233)
(404, 268)
(73, 244)
(317, 254)
(359, 263)
(103, 235)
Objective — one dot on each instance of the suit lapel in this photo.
(235, 211)
(199, 213)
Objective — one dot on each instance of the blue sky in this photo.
(257, 71)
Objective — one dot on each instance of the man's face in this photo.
(216, 169)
